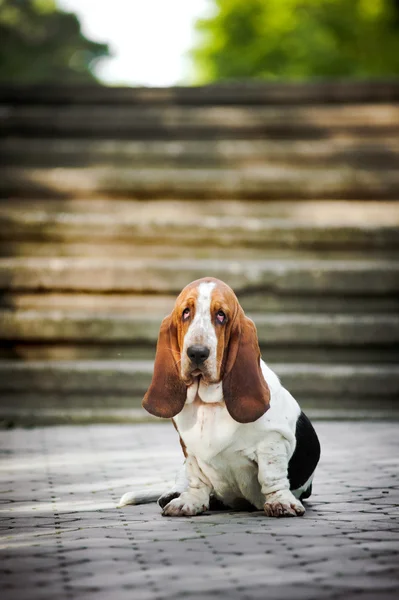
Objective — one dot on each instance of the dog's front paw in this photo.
(283, 504)
(184, 506)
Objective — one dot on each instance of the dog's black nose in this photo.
(198, 354)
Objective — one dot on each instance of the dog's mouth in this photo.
(194, 376)
(197, 373)
(201, 374)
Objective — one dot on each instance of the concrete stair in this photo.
(231, 94)
(112, 202)
(239, 142)
(139, 275)
(56, 334)
(299, 226)
(323, 292)
(125, 382)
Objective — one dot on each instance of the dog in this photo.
(245, 440)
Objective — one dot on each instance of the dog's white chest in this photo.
(206, 429)
(224, 450)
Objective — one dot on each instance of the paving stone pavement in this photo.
(63, 537)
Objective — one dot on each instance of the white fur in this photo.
(240, 461)
(139, 497)
(195, 499)
(202, 331)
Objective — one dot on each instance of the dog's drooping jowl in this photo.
(245, 440)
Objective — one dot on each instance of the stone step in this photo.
(286, 353)
(273, 329)
(372, 277)
(259, 182)
(248, 93)
(119, 382)
(89, 303)
(212, 154)
(193, 225)
(149, 122)
(28, 411)
(323, 338)
(174, 249)
(319, 212)
(257, 302)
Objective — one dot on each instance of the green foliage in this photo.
(39, 44)
(298, 39)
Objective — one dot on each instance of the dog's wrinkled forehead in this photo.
(209, 288)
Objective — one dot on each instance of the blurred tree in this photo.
(39, 43)
(298, 39)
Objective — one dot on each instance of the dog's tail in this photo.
(140, 497)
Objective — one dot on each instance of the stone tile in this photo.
(61, 534)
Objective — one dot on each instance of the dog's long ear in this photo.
(167, 393)
(245, 390)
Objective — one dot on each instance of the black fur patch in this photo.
(164, 500)
(306, 456)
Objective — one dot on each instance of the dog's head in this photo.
(208, 336)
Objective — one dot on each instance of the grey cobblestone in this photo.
(61, 535)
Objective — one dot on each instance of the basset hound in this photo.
(245, 440)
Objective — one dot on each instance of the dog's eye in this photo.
(186, 314)
(220, 316)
